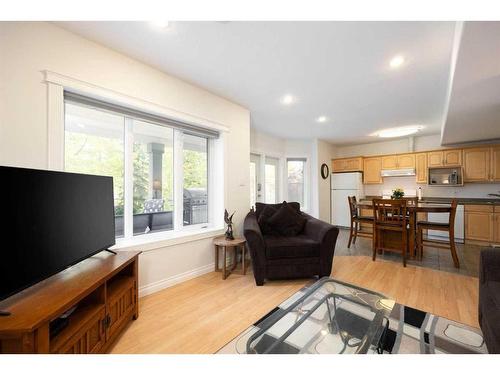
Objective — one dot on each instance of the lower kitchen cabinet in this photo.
(482, 224)
(496, 225)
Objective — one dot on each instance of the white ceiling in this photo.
(474, 109)
(337, 69)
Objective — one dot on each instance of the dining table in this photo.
(413, 210)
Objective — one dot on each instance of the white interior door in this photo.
(255, 180)
(271, 177)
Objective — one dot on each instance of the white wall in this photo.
(316, 151)
(324, 152)
(422, 143)
(262, 143)
(26, 49)
(265, 144)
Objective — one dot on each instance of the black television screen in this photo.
(50, 221)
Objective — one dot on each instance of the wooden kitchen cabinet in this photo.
(389, 162)
(435, 159)
(406, 161)
(371, 170)
(495, 164)
(477, 163)
(444, 158)
(452, 157)
(496, 225)
(479, 223)
(347, 164)
(421, 167)
(398, 161)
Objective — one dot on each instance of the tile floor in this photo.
(439, 259)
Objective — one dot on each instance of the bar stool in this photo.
(357, 220)
(445, 227)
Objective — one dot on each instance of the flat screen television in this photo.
(50, 221)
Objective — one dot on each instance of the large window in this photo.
(140, 155)
(94, 144)
(195, 176)
(296, 181)
(153, 177)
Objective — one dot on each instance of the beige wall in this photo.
(26, 49)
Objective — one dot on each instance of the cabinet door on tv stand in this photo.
(89, 340)
(121, 308)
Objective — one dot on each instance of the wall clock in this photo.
(325, 171)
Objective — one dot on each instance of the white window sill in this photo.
(153, 241)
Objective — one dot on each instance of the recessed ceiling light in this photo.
(322, 119)
(396, 61)
(160, 24)
(288, 99)
(398, 132)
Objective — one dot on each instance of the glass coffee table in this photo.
(330, 317)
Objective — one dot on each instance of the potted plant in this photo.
(397, 193)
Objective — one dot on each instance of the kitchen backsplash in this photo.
(469, 190)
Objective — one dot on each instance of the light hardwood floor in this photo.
(203, 314)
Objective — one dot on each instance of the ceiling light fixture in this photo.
(322, 119)
(396, 61)
(398, 132)
(288, 99)
(160, 24)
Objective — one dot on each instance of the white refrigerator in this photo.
(344, 185)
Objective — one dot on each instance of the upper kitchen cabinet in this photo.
(477, 163)
(398, 161)
(452, 157)
(389, 162)
(444, 158)
(371, 170)
(421, 167)
(406, 161)
(347, 165)
(435, 159)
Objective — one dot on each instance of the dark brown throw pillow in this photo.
(263, 220)
(286, 221)
(259, 207)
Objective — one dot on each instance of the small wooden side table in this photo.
(236, 244)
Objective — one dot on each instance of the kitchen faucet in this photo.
(494, 195)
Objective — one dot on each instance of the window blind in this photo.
(188, 128)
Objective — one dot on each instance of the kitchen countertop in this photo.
(486, 201)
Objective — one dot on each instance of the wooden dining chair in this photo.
(439, 244)
(356, 221)
(390, 216)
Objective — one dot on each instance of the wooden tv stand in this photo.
(104, 289)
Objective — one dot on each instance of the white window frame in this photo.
(58, 83)
(307, 179)
(262, 173)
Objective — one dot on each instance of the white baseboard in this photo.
(176, 279)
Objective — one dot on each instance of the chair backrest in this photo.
(353, 206)
(453, 212)
(412, 201)
(389, 211)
